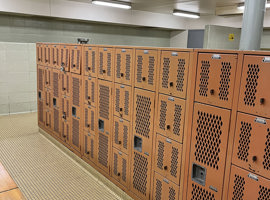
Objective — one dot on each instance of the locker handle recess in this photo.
(198, 174)
(266, 59)
(165, 167)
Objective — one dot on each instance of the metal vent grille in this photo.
(244, 141)
(238, 188)
(109, 64)
(40, 111)
(76, 91)
(115, 163)
(199, 193)
(224, 81)
(125, 137)
(93, 62)
(151, 69)
(104, 101)
(251, 85)
(158, 190)
(63, 82)
(264, 193)
(266, 157)
(67, 57)
(56, 120)
(57, 57)
(177, 119)
(86, 117)
(86, 61)
(85, 144)
(116, 132)
(162, 117)
(68, 83)
(92, 120)
(75, 132)
(140, 165)
(86, 90)
(67, 132)
(160, 155)
(62, 55)
(172, 193)
(40, 79)
(124, 169)
(180, 75)
(166, 70)
(93, 92)
(203, 86)
(174, 161)
(139, 68)
(92, 148)
(103, 150)
(143, 110)
(117, 100)
(100, 63)
(128, 61)
(78, 59)
(208, 132)
(118, 65)
(55, 84)
(126, 108)
(67, 114)
(72, 58)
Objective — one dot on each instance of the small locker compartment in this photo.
(48, 55)
(124, 66)
(174, 73)
(89, 119)
(56, 56)
(171, 117)
(65, 131)
(121, 135)
(105, 63)
(89, 146)
(65, 78)
(48, 118)
(254, 90)
(122, 99)
(90, 61)
(146, 69)
(104, 151)
(215, 79)
(48, 98)
(40, 54)
(75, 58)
(90, 90)
(64, 58)
(65, 108)
(48, 77)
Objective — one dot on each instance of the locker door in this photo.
(104, 151)
(89, 146)
(215, 79)
(252, 144)
(48, 55)
(106, 67)
(171, 115)
(56, 89)
(124, 66)
(48, 98)
(208, 151)
(174, 73)
(89, 118)
(76, 94)
(40, 78)
(168, 158)
(145, 70)
(65, 108)
(75, 59)
(56, 56)
(121, 135)
(90, 61)
(248, 186)
(56, 121)
(90, 91)
(65, 83)
(48, 77)
(122, 98)
(48, 118)
(41, 106)
(164, 189)
(120, 167)
(254, 97)
(75, 133)
(64, 58)
(65, 131)
(40, 54)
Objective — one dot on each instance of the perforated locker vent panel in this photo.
(200, 193)
(90, 96)
(124, 65)
(65, 134)
(252, 144)
(173, 74)
(48, 55)
(253, 97)
(56, 121)
(40, 112)
(40, 78)
(64, 57)
(76, 90)
(104, 99)
(39, 52)
(56, 82)
(171, 115)
(103, 151)
(121, 135)
(65, 83)
(106, 63)
(145, 70)
(75, 59)
(215, 79)
(238, 188)
(90, 61)
(75, 133)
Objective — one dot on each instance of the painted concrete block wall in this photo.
(179, 39)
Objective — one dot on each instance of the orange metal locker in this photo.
(168, 158)
(75, 58)
(48, 98)
(164, 189)
(48, 55)
(48, 118)
(173, 73)
(40, 53)
(146, 69)
(120, 166)
(104, 151)
(65, 78)
(171, 117)
(208, 152)
(254, 96)
(90, 90)
(76, 95)
(215, 79)
(56, 56)
(124, 66)
(89, 146)
(90, 61)
(64, 58)
(121, 135)
(89, 119)
(41, 106)
(40, 78)
(48, 77)
(122, 101)
(248, 186)
(252, 144)
(105, 62)
(56, 89)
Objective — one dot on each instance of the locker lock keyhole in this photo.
(171, 84)
(87, 152)
(212, 91)
(262, 101)
(121, 109)
(118, 174)
(254, 158)
(143, 78)
(89, 97)
(165, 167)
(74, 65)
(119, 142)
(89, 68)
(104, 71)
(122, 74)
(168, 127)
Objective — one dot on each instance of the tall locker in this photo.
(75, 58)
(90, 61)
(105, 63)
(56, 102)
(56, 56)
(64, 58)
(48, 55)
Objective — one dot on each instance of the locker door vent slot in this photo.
(101, 125)
(166, 70)
(244, 141)
(264, 193)
(266, 161)
(198, 174)
(224, 81)
(238, 188)
(204, 78)
(200, 193)
(158, 189)
(137, 143)
(180, 75)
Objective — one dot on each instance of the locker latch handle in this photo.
(266, 59)
(216, 56)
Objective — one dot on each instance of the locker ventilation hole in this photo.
(166, 70)
(238, 188)
(151, 70)
(40, 111)
(125, 139)
(180, 75)
(56, 120)
(92, 120)
(72, 58)
(93, 92)
(93, 62)
(85, 144)
(126, 103)
(139, 68)
(243, 147)
(40, 79)
(143, 111)
(101, 63)
(204, 78)
(115, 161)
(92, 148)
(251, 85)
(140, 165)
(266, 161)
(86, 90)
(86, 61)
(63, 81)
(160, 155)
(67, 83)
(224, 81)
(117, 100)
(86, 117)
(109, 64)
(158, 189)
(128, 61)
(174, 161)
(67, 132)
(124, 169)
(55, 84)
(199, 193)
(118, 66)
(75, 132)
(162, 117)
(177, 119)
(104, 101)
(103, 150)
(78, 59)
(208, 139)
(76, 91)
(264, 193)
(116, 132)
(172, 193)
